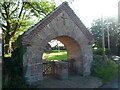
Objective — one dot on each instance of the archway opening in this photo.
(54, 51)
(69, 50)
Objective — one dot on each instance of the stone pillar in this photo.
(33, 64)
(87, 59)
(62, 70)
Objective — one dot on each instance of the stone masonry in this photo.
(62, 24)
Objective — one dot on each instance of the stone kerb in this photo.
(33, 64)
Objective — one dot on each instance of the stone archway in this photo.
(70, 31)
(73, 51)
(73, 48)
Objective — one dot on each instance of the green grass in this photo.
(55, 55)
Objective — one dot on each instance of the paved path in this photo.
(75, 81)
(114, 84)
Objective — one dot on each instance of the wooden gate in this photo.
(48, 69)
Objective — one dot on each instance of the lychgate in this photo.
(61, 24)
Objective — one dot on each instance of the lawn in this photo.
(55, 55)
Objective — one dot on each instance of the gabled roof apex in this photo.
(64, 6)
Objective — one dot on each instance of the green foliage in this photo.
(97, 58)
(17, 17)
(55, 55)
(99, 51)
(106, 70)
(109, 23)
(42, 8)
(13, 73)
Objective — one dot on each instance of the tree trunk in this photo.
(7, 45)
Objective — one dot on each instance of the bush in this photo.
(97, 58)
(13, 72)
(106, 70)
(99, 51)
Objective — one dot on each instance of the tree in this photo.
(108, 24)
(16, 17)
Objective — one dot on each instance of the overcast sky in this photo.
(88, 10)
